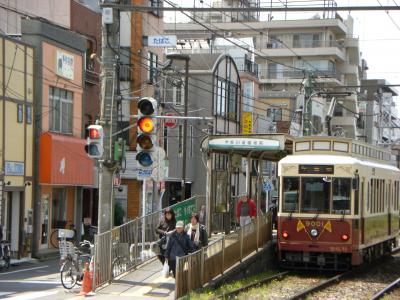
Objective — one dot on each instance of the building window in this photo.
(275, 114)
(28, 116)
(20, 113)
(58, 209)
(232, 100)
(61, 112)
(156, 4)
(152, 66)
(220, 103)
(180, 140)
(166, 140)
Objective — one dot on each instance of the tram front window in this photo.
(341, 196)
(290, 194)
(315, 195)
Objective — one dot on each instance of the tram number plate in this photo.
(316, 169)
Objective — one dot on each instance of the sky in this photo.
(379, 35)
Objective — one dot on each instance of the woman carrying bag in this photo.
(165, 228)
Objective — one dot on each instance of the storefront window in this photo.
(341, 195)
(58, 209)
(290, 194)
(315, 195)
(44, 218)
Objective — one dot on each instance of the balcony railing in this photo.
(246, 65)
(277, 44)
(125, 72)
(299, 74)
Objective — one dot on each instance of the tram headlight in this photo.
(314, 232)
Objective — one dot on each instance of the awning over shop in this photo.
(63, 161)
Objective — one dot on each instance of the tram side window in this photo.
(315, 195)
(291, 194)
(341, 195)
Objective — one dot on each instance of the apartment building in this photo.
(16, 139)
(378, 119)
(287, 51)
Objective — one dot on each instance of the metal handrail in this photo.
(196, 269)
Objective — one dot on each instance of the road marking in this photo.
(33, 295)
(24, 270)
(31, 281)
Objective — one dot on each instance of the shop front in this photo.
(65, 170)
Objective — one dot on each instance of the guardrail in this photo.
(196, 269)
(121, 249)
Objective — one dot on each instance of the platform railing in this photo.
(121, 249)
(196, 269)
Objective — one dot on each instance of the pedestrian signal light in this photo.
(94, 142)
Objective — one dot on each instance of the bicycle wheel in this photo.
(54, 239)
(69, 274)
(118, 266)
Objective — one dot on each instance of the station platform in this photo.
(146, 282)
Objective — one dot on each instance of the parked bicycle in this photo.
(74, 260)
(5, 255)
(119, 263)
(55, 235)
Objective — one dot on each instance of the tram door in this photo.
(362, 209)
(390, 209)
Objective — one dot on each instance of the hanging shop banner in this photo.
(247, 122)
(65, 65)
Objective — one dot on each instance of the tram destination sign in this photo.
(316, 169)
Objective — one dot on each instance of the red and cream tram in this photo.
(339, 204)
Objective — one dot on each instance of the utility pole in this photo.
(307, 106)
(108, 113)
(186, 58)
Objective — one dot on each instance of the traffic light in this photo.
(146, 140)
(94, 142)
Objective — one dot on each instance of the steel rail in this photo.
(251, 285)
(386, 290)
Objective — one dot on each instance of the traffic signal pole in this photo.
(108, 114)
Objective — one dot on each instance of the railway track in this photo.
(258, 283)
(320, 285)
(387, 290)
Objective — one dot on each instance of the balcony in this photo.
(277, 44)
(125, 72)
(91, 77)
(298, 74)
(245, 65)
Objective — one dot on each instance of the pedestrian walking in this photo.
(197, 232)
(202, 215)
(246, 210)
(164, 229)
(179, 244)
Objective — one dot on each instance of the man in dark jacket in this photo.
(179, 244)
(164, 229)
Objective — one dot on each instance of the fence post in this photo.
(223, 255)
(202, 266)
(135, 250)
(189, 273)
(110, 268)
(177, 278)
(94, 263)
(258, 233)
(241, 243)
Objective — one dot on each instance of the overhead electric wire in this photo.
(390, 17)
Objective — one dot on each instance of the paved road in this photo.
(39, 280)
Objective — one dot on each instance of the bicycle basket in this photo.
(67, 248)
(66, 233)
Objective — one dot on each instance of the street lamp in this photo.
(186, 58)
